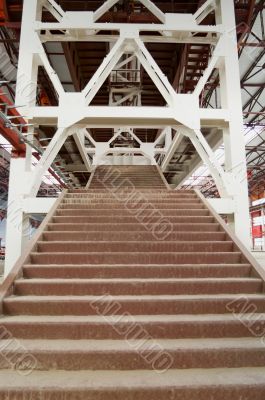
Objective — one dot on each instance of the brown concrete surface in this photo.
(105, 309)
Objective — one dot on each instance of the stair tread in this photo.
(236, 265)
(160, 318)
(140, 280)
(103, 345)
(134, 379)
(155, 297)
(135, 223)
(152, 242)
(133, 252)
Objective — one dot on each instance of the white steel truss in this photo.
(74, 114)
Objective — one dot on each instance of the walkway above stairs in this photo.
(133, 291)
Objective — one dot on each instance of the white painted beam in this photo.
(103, 71)
(46, 160)
(222, 206)
(73, 23)
(54, 8)
(79, 138)
(154, 10)
(181, 38)
(207, 7)
(211, 65)
(155, 73)
(174, 145)
(103, 9)
(38, 205)
(208, 157)
(51, 73)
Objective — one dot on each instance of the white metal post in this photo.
(26, 87)
(235, 159)
(14, 224)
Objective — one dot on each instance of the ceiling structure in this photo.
(183, 64)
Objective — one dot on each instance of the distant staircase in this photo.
(132, 291)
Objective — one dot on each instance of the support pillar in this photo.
(15, 219)
(234, 144)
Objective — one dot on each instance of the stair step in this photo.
(192, 384)
(134, 286)
(137, 271)
(125, 212)
(145, 198)
(135, 305)
(133, 226)
(110, 258)
(127, 236)
(126, 184)
(117, 326)
(156, 218)
(134, 246)
(123, 355)
(135, 190)
(152, 205)
(129, 181)
(165, 196)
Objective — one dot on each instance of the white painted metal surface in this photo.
(182, 112)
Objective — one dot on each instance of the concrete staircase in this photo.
(133, 291)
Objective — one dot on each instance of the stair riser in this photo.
(130, 236)
(116, 179)
(141, 307)
(134, 258)
(63, 271)
(131, 184)
(166, 196)
(127, 213)
(158, 246)
(163, 193)
(133, 360)
(196, 392)
(107, 330)
(156, 218)
(132, 227)
(150, 191)
(118, 201)
(136, 190)
(135, 288)
(119, 175)
(135, 207)
(112, 198)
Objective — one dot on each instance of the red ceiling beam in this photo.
(19, 148)
(3, 11)
(11, 25)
